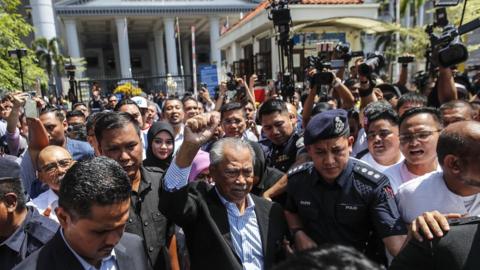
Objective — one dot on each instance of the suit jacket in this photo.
(199, 211)
(457, 249)
(55, 254)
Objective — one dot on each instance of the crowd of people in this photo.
(365, 175)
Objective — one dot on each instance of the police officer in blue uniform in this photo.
(338, 199)
(22, 229)
(282, 145)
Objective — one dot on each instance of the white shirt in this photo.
(429, 192)
(249, 135)
(143, 137)
(368, 158)
(45, 200)
(399, 174)
(179, 138)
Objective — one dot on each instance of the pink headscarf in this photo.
(199, 163)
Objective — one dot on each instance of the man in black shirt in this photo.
(118, 137)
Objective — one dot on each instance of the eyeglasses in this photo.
(382, 134)
(112, 100)
(53, 166)
(421, 136)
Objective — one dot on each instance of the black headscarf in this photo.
(152, 160)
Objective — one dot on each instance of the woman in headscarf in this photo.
(161, 143)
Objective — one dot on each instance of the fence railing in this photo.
(171, 85)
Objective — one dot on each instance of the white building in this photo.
(250, 45)
(137, 38)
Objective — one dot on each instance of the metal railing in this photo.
(171, 85)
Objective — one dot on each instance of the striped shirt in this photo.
(243, 227)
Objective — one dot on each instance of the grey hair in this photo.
(216, 152)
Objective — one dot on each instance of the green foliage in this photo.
(13, 27)
(48, 55)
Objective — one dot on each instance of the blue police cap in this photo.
(326, 125)
(9, 169)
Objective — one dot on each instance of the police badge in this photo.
(339, 125)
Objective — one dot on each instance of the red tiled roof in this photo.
(250, 15)
(331, 2)
(266, 3)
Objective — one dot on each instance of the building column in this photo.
(152, 58)
(187, 57)
(72, 41)
(169, 24)
(274, 58)
(255, 45)
(43, 19)
(116, 56)
(159, 52)
(123, 47)
(72, 38)
(215, 53)
(235, 51)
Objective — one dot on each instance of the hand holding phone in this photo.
(31, 110)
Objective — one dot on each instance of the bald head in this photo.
(51, 150)
(53, 162)
(461, 139)
(292, 112)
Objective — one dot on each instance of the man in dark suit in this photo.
(225, 226)
(94, 201)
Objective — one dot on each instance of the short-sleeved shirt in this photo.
(428, 193)
(35, 231)
(399, 174)
(368, 158)
(346, 212)
(282, 157)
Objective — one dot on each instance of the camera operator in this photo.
(76, 126)
(205, 99)
(347, 98)
(444, 90)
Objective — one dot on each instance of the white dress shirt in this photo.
(46, 203)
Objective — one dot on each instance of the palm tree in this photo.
(50, 59)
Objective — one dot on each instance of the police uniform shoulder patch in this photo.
(299, 168)
(368, 173)
(299, 143)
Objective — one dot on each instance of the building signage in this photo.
(208, 76)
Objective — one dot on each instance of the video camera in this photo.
(329, 58)
(77, 132)
(446, 48)
(279, 14)
(372, 64)
(343, 51)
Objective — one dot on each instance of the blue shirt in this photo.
(245, 233)
(243, 227)
(108, 263)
